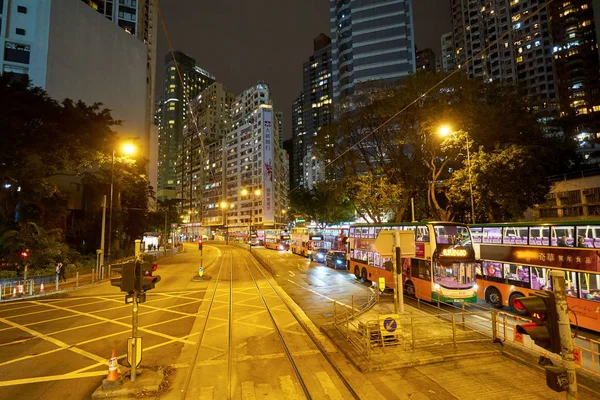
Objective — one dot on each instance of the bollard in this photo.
(31, 283)
(494, 326)
(25, 272)
(454, 329)
(412, 330)
(93, 272)
(103, 272)
(463, 314)
(353, 306)
(57, 283)
(77, 279)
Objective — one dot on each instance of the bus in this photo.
(277, 240)
(335, 238)
(303, 242)
(443, 266)
(515, 260)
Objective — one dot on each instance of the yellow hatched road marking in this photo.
(248, 390)
(144, 305)
(129, 326)
(207, 392)
(52, 340)
(327, 385)
(51, 378)
(287, 387)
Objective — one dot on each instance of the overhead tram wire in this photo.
(189, 104)
(444, 79)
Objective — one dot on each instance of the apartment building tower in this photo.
(447, 58)
(426, 60)
(371, 40)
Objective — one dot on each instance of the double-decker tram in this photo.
(516, 260)
(334, 238)
(303, 242)
(443, 266)
(277, 240)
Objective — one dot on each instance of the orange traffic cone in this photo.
(113, 370)
(42, 290)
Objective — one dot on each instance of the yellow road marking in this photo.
(144, 305)
(287, 387)
(248, 390)
(207, 392)
(129, 326)
(52, 340)
(327, 385)
(254, 325)
(51, 378)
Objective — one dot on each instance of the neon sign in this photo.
(454, 252)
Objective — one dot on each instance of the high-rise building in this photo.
(68, 49)
(248, 101)
(426, 60)
(298, 135)
(209, 122)
(176, 96)
(371, 40)
(523, 56)
(577, 66)
(447, 57)
(279, 119)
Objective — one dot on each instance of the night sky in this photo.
(242, 41)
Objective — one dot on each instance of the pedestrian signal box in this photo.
(126, 278)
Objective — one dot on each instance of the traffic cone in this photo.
(113, 370)
(42, 290)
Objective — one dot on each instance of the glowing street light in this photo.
(445, 130)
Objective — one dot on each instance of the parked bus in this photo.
(335, 238)
(277, 240)
(303, 242)
(443, 266)
(516, 260)
(256, 239)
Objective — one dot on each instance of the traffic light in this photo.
(143, 276)
(24, 254)
(200, 244)
(541, 307)
(127, 276)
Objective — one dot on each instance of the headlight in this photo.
(320, 256)
(339, 262)
(280, 247)
(436, 287)
(475, 287)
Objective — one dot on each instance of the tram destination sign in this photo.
(558, 257)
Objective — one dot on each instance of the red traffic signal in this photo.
(200, 244)
(25, 254)
(541, 307)
(143, 276)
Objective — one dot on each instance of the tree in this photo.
(325, 204)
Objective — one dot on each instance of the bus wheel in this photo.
(510, 304)
(357, 272)
(364, 275)
(494, 297)
(409, 289)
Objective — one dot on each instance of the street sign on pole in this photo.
(134, 357)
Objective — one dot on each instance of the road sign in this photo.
(388, 324)
(387, 240)
(201, 272)
(381, 283)
(138, 351)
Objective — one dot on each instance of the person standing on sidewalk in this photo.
(60, 272)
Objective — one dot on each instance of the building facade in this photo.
(447, 58)
(577, 66)
(371, 40)
(524, 54)
(426, 60)
(177, 95)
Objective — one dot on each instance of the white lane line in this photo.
(319, 294)
(330, 389)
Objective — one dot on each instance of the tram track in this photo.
(307, 364)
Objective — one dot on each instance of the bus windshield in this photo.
(454, 275)
(456, 235)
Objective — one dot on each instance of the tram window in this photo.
(477, 233)
(377, 260)
(516, 273)
(590, 286)
(478, 270)
(540, 279)
(377, 230)
(514, 235)
(352, 232)
(572, 284)
(492, 269)
(492, 235)
(421, 234)
(589, 236)
(370, 258)
(539, 236)
(562, 236)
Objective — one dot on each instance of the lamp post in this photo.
(128, 149)
(445, 130)
(224, 206)
(256, 193)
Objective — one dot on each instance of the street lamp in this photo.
(127, 148)
(224, 206)
(445, 130)
(255, 194)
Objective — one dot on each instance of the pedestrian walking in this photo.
(60, 271)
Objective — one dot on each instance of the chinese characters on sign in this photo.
(561, 257)
(268, 192)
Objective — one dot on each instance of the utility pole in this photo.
(103, 232)
(564, 329)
